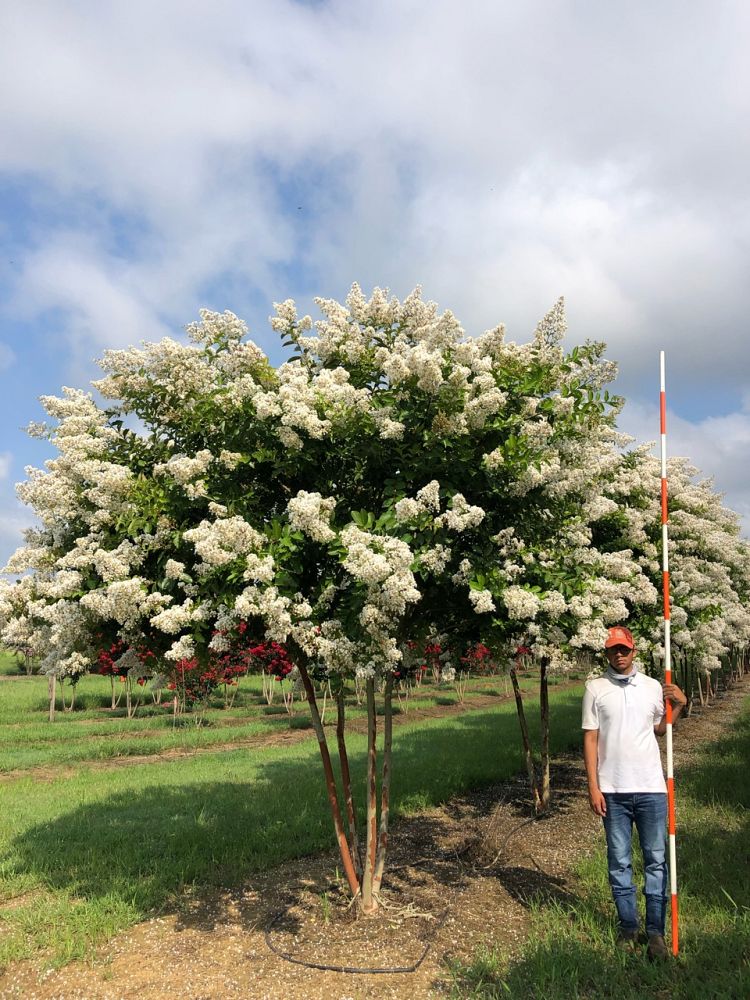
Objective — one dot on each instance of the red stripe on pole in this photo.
(670, 791)
(668, 655)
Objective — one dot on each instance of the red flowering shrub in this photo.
(194, 682)
(272, 659)
(479, 661)
(106, 661)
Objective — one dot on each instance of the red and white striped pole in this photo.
(668, 660)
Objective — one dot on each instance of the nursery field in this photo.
(93, 731)
(10, 665)
(104, 819)
(156, 873)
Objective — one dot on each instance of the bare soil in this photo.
(458, 876)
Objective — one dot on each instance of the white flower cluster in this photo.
(435, 559)
(174, 619)
(125, 601)
(311, 513)
(427, 499)
(297, 401)
(184, 469)
(388, 428)
(591, 634)
(521, 604)
(221, 542)
(174, 570)
(182, 649)
(230, 459)
(481, 601)
(554, 604)
(216, 328)
(259, 569)
(461, 516)
(328, 644)
(269, 605)
(383, 565)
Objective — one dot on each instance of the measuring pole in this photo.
(668, 659)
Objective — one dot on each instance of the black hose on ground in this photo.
(354, 970)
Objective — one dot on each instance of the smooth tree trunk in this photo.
(369, 902)
(326, 692)
(129, 707)
(544, 719)
(71, 706)
(364, 874)
(385, 787)
(52, 691)
(346, 780)
(529, 757)
(346, 855)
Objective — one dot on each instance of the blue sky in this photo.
(160, 157)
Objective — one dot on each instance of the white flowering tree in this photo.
(709, 561)
(394, 480)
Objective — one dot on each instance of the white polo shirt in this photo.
(625, 711)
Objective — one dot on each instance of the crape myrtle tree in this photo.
(558, 590)
(394, 480)
(709, 564)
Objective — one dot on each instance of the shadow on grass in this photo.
(215, 826)
(571, 968)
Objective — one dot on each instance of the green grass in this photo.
(96, 850)
(571, 954)
(93, 732)
(10, 665)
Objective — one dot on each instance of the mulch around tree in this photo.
(458, 876)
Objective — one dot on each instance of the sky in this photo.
(159, 157)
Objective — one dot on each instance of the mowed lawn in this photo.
(86, 850)
(92, 731)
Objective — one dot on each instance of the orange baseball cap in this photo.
(619, 636)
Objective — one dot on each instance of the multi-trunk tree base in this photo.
(363, 870)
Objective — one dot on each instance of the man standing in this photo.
(623, 713)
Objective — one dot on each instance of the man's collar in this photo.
(622, 678)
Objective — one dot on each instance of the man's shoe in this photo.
(627, 938)
(657, 948)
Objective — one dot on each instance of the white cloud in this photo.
(14, 519)
(718, 446)
(500, 157)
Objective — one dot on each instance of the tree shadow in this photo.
(217, 830)
(563, 967)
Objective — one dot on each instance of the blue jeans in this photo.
(648, 810)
